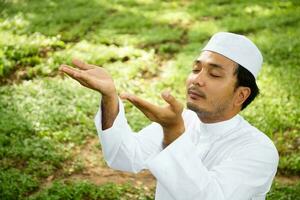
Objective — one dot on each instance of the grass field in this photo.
(147, 46)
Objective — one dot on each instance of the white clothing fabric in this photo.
(229, 160)
(237, 48)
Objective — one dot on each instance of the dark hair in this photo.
(246, 79)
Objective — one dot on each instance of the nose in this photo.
(199, 78)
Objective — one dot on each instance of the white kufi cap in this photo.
(237, 48)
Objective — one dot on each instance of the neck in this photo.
(215, 117)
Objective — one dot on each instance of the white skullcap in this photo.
(237, 48)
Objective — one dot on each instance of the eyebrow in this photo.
(210, 64)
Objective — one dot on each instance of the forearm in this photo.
(171, 135)
(122, 148)
(110, 110)
(180, 169)
(172, 132)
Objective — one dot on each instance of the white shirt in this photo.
(229, 160)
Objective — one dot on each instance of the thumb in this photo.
(170, 99)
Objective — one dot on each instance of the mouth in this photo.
(195, 95)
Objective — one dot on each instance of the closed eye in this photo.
(195, 71)
(215, 76)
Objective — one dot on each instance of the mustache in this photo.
(196, 91)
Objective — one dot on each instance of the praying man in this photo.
(204, 152)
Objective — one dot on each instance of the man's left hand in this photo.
(169, 117)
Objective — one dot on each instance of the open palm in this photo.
(91, 76)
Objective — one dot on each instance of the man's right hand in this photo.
(91, 76)
(100, 80)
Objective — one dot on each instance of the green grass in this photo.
(147, 46)
(85, 190)
(284, 192)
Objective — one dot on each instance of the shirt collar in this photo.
(219, 129)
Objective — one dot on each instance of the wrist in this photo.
(172, 133)
(110, 102)
(110, 109)
(109, 98)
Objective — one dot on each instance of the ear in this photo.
(242, 93)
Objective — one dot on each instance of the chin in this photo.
(194, 107)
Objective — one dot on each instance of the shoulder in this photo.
(255, 135)
(256, 143)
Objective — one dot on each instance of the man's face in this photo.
(211, 86)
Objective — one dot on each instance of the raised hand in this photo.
(100, 80)
(169, 116)
(91, 76)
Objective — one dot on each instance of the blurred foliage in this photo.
(284, 192)
(147, 46)
(85, 190)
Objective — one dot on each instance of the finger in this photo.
(175, 105)
(83, 83)
(68, 70)
(74, 73)
(146, 107)
(81, 65)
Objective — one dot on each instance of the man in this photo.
(206, 152)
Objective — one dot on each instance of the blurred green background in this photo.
(147, 46)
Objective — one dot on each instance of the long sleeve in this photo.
(180, 171)
(239, 165)
(124, 149)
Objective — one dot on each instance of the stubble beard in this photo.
(206, 115)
